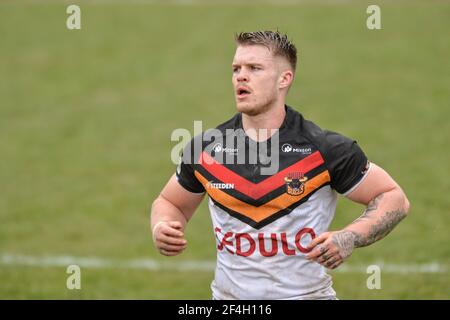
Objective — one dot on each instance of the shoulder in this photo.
(344, 159)
(325, 140)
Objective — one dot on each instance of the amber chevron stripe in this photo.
(260, 213)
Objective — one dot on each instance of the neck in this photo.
(270, 120)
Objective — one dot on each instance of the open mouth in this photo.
(242, 92)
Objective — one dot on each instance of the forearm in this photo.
(164, 210)
(387, 206)
(381, 216)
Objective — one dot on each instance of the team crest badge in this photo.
(295, 183)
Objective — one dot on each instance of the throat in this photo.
(261, 127)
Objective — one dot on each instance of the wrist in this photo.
(349, 237)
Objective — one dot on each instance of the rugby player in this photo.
(272, 231)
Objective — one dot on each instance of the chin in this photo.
(251, 109)
(247, 108)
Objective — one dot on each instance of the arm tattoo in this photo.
(380, 228)
(372, 206)
(345, 241)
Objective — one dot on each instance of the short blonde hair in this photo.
(276, 42)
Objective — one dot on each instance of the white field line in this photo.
(102, 263)
(190, 265)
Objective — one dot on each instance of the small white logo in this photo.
(213, 185)
(288, 148)
(303, 150)
(218, 148)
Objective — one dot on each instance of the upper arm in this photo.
(183, 190)
(375, 182)
(353, 175)
(186, 201)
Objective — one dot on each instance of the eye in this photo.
(255, 68)
(235, 69)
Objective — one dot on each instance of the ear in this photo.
(286, 78)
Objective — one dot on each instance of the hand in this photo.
(168, 238)
(330, 249)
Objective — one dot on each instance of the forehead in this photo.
(247, 54)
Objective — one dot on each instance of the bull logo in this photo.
(295, 183)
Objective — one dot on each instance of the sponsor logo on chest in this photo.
(264, 244)
(289, 148)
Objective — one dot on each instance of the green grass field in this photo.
(86, 118)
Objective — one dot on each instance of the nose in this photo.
(242, 76)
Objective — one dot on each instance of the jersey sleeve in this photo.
(185, 172)
(346, 162)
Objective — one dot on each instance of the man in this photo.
(272, 230)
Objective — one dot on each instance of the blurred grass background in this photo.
(86, 117)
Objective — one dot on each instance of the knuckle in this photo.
(161, 226)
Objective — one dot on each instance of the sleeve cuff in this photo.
(346, 193)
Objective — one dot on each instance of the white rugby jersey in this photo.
(263, 223)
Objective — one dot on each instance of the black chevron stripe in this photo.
(270, 219)
(266, 198)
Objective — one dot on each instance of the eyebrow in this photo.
(247, 64)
